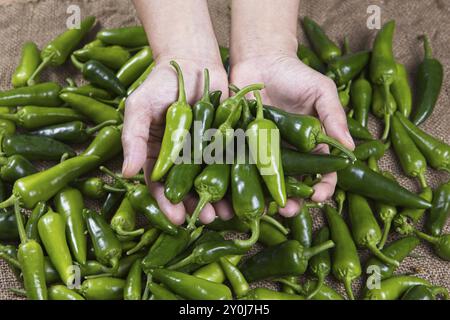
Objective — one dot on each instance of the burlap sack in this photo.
(41, 20)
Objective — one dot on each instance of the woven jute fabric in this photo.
(42, 20)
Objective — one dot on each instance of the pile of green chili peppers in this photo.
(62, 249)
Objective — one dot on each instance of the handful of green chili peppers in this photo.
(113, 255)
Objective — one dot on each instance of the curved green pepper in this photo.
(300, 227)
(135, 66)
(104, 288)
(43, 94)
(133, 284)
(361, 99)
(308, 57)
(393, 288)
(297, 189)
(357, 131)
(235, 278)
(323, 46)
(29, 61)
(112, 57)
(147, 239)
(180, 180)
(320, 264)
(60, 292)
(401, 91)
(423, 292)
(296, 163)
(92, 188)
(31, 227)
(87, 90)
(124, 220)
(213, 271)
(125, 36)
(15, 167)
(440, 212)
(416, 214)
(325, 292)
(343, 69)
(268, 294)
(106, 144)
(374, 149)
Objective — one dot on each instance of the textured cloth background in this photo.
(42, 20)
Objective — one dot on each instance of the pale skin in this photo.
(263, 50)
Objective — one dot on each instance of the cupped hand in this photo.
(295, 87)
(145, 114)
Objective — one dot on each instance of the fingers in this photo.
(174, 212)
(207, 215)
(135, 135)
(291, 209)
(224, 209)
(332, 114)
(325, 188)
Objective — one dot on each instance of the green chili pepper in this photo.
(30, 117)
(286, 259)
(270, 235)
(214, 97)
(423, 292)
(133, 284)
(92, 188)
(383, 70)
(178, 123)
(359, 179)
(190, 287)
(213, 272)
(297, 189)
(411, 159)
(159, 292)
(15, 167)
(416, 214)
(325, 292)
(56, 52)
(300, 227)
(106, 144)
(31, 260)
(398, 251)
(104, 288)
(345, 261)
(53, 236)
(107, 247)
(429, 82)
(344, 95)
(100, 75)
(309, 58)
(124, 220)
(402, 91)
(343, 69)
(339, 197)
(364, 226)
(361, 99)
(7, 127)
(323, 46)
(235, 278)
(303, 132)
(296, 163)
(8, 226)
(94, 110)
(60, 292)
(393, 288)
(69, 203)
(35, 148)
(264, 145)
(357, 131)
(112, 57)
(180, 180)
(29, 61)
(43, 94)
(142, 202)
(87, 90)
(375, 149)
(268, 294)
(435, 151)
(320, 264)
(440, 211)
(147, 239)
(126, 36)
(135, 66)
(31, 227)
(379, 103)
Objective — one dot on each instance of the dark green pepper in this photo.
(357, 131)
(29, 61)
(180, 180)
(112, 57)
(296, 163)
(361, 99)
(31, 228)
(343, 69)
(323, 46)
(124, 220)
(268, 294)
(308, 57)
(87, 90)
(423, 292)
(393, 288)
(133, 284)
(15, 167)
(297, 189)
(440, 211)
(43, 94)
(300, 227)
(92, 188)
(8, 226)
(320, 264)
(375, 149)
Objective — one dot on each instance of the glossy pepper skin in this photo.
(345, 266)
(92, 188)
(126, 36)
(112, 202)
(366, 150)
(320, 264)
(69, 203)
(365, 229)
(393, 288)
(303, 132)
(440, 211)
(411, 159)
(147, 239)
(401, 91)
(429, 82)
(53, 236)
(8, 226)
(435, 151)
(29, 61)
(56, 52)
(325, 292)
(361, 99)
(357, 131)
(135, 66)
(103, 288)
(397, 250)
(343, 69)
(423, 292)
(15, 167)
(308, 57)
(60, 292)
(133, 284)
(211, 185)
(213, 271)
(87, 90)
(31, 117)
(106, 144)
(112, 57)
(43, 94)
(31, 227)
(263, 134)
(107, 247)
(235, 278)
(297, 189)
(323, 46)
(296, 163)
(124, 220)
(416, 214)
(286, 259)
(92, 109)
(300, 227)
(360, 179)
(100, 75)
(190, 287)
(178, 123)
(180, 180)
(268, 294)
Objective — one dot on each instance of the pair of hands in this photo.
(289, 84)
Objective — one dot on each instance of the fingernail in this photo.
(125, 166)
(350, 139)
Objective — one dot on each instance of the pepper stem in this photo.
(295, 286)
(426, 46)
(386, 229)
(204, 199)
(348, 288)
(380, 255)
(146, 293)
(387, 114)
(260, 110)
(320, 280)
(147, 238)
(253, 87)
(44, 63)
(115, 176)
(422, 180)
(426, 237)
(20, 226)
(309, 252)
(109, 188)
(14, 117)
(10, 260)
(323, 138)
(9, 202)
(77, 63)
(135, 233)
(195, 235)
(373, 164)
(100, 126)
(275, 224)
(182, 263)
(18, 292)
(71, 82)
(181, 90)
(205, 97)
(254, 235)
